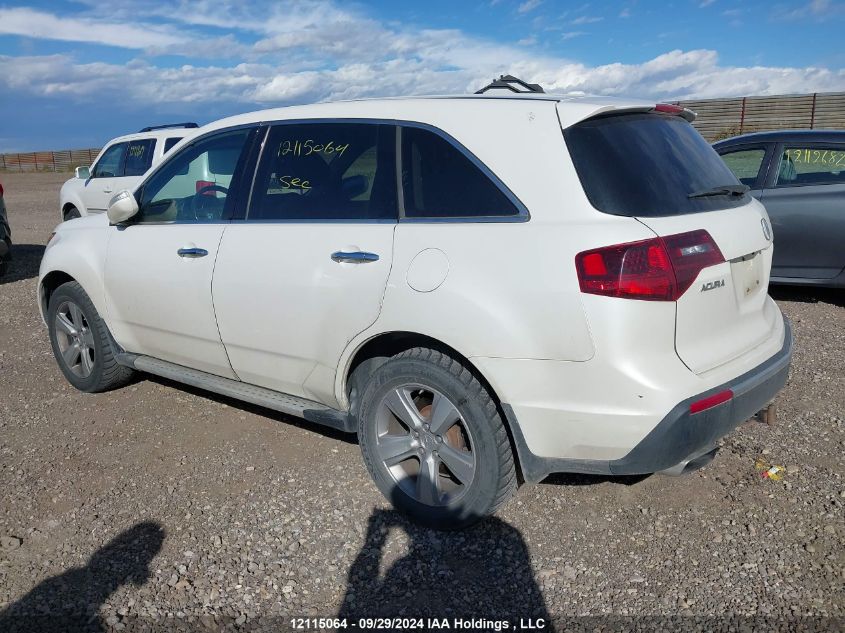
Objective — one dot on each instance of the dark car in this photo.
(5, 234)
(799, 175)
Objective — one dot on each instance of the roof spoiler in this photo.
(514, 84)
(152, 128)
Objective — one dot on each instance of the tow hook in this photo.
(767, 415)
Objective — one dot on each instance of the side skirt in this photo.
(275, 400)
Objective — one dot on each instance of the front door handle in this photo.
(109, 190)
(192, 253)
(354, 257)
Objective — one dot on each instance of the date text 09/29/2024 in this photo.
(411, 624)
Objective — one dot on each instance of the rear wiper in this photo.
(725, 190)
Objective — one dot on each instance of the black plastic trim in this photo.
(680, 434)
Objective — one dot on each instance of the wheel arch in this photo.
(47, 287)
(380, 347)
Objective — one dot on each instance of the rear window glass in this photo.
(647, 165)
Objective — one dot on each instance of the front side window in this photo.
(440, 181)
(139, 157)
(745, 164)
(194, 185)
(110, 163)
(807, 165)
(326, 171)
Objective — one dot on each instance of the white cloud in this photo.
(677, 74)
(39, 24)
(528, 5)
(705, 3)
(625, 13)
(318, 50)
(587, 19)
(815, 9)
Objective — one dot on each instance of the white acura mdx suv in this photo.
(121, 164)
(485, 289)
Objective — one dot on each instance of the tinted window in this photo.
(326, 171)
(194, 184)
(169, 143)
(110, 163)
(808, 165)
(745, 164)
(139, 157)
(440, 181)
(647, 165)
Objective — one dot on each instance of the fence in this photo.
(720, 118)
(48, 161)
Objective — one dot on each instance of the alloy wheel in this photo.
(425, 444)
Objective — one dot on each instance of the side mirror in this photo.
(83, 173)
(122, 207)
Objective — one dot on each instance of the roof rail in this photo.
(152, 128)
(514, 84)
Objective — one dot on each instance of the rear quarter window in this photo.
(647, 165)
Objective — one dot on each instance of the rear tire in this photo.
(81, 342)
(434, 441)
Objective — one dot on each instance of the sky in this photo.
(76, 74)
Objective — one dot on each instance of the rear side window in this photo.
(326, 171)
(169, 143)
(745, 164)
(807, 165)
(440, 181)
(110, 163)
(647, 165)
(139, 157)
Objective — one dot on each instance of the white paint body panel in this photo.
(286, 310)
(587, 376)
(159, 303)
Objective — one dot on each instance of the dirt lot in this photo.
(157, 506)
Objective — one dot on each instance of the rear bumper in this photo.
(680, 435)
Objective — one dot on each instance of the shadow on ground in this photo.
(71, 600)
(24, 263)
(808, 294)
(481, 573)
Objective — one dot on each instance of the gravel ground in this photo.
(157, 507)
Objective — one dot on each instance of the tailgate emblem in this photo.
(767, 230)
(712, 285)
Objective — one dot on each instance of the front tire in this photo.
(434, 441)
(81, 342)
(72, 213)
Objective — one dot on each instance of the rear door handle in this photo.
(354, 257)
(109, 190)
(192, 253)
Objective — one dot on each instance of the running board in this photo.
(284, 403)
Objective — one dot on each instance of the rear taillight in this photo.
(659, 269)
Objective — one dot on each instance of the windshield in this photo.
(647, 165)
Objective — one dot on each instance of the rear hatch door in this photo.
(655, 167)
